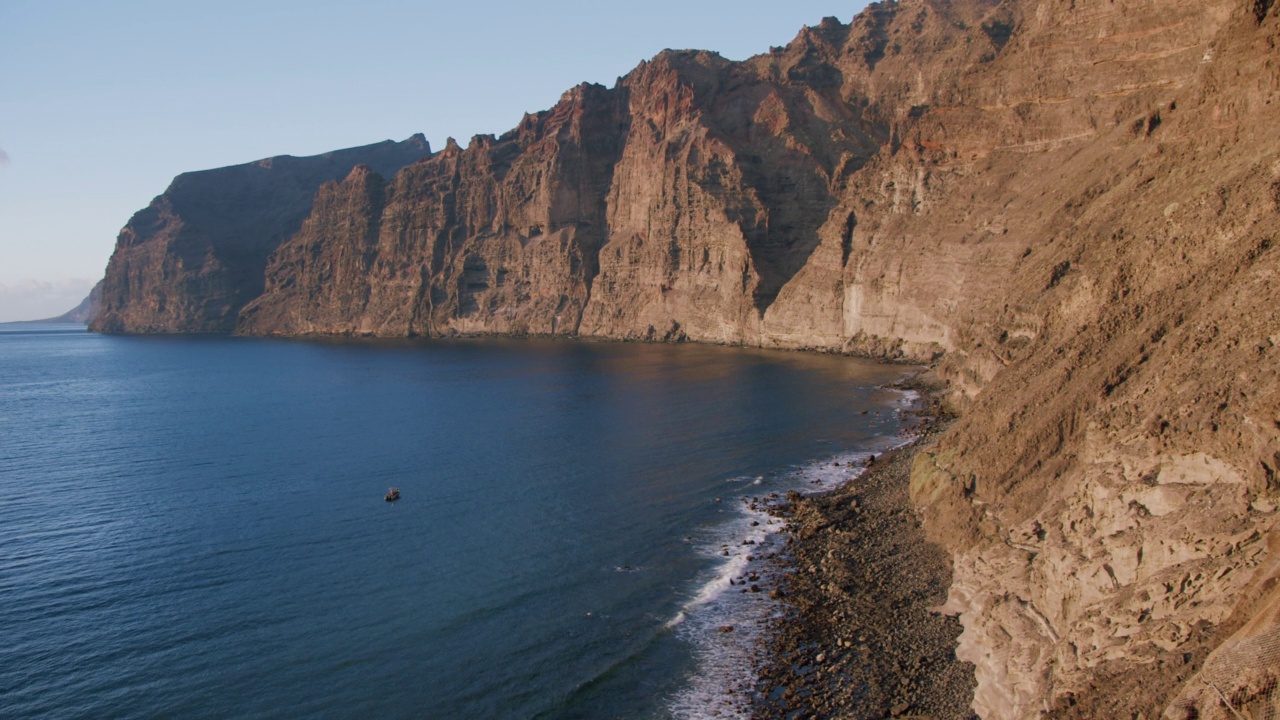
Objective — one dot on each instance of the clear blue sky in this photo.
(101, 104)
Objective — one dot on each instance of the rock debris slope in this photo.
(1068, 207)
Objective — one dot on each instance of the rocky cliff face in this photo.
(1110, 490)
(502, 237)
(192, 259)
(1068, 207)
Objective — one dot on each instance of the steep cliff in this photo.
(1067, 207)
(191, 260)
(502, 237)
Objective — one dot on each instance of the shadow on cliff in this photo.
(797, 143)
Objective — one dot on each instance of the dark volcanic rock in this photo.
(191, 260)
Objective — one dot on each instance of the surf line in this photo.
(725, 619)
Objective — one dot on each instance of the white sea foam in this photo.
(724, 622)
(909, 399)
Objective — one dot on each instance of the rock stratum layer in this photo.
(1068, 207)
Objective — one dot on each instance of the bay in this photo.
(195, 526)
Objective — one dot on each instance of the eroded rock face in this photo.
(1068, 206)
(1110, 490)
(191, 260)
(699, 199)
(502, 237)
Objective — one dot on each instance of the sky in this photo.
(102, 104)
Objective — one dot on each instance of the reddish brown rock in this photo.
(502, 237)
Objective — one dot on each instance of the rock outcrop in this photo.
(1068, 207)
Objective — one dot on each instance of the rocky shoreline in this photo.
(860, 640)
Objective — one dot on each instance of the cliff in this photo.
(192, 259)
(1067, 207)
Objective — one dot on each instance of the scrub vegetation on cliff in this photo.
(1069, 208)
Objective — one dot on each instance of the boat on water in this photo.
(393, 495)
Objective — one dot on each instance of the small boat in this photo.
(393, 495)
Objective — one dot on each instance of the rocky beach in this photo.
(862, 636)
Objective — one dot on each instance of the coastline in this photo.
(733, 612)
(859, 580)
(775, 630)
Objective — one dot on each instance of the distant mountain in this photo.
(85, 311)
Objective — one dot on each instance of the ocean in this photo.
(194, 526)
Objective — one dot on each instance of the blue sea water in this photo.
(194, 527)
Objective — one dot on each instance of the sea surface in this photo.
(194, 527)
